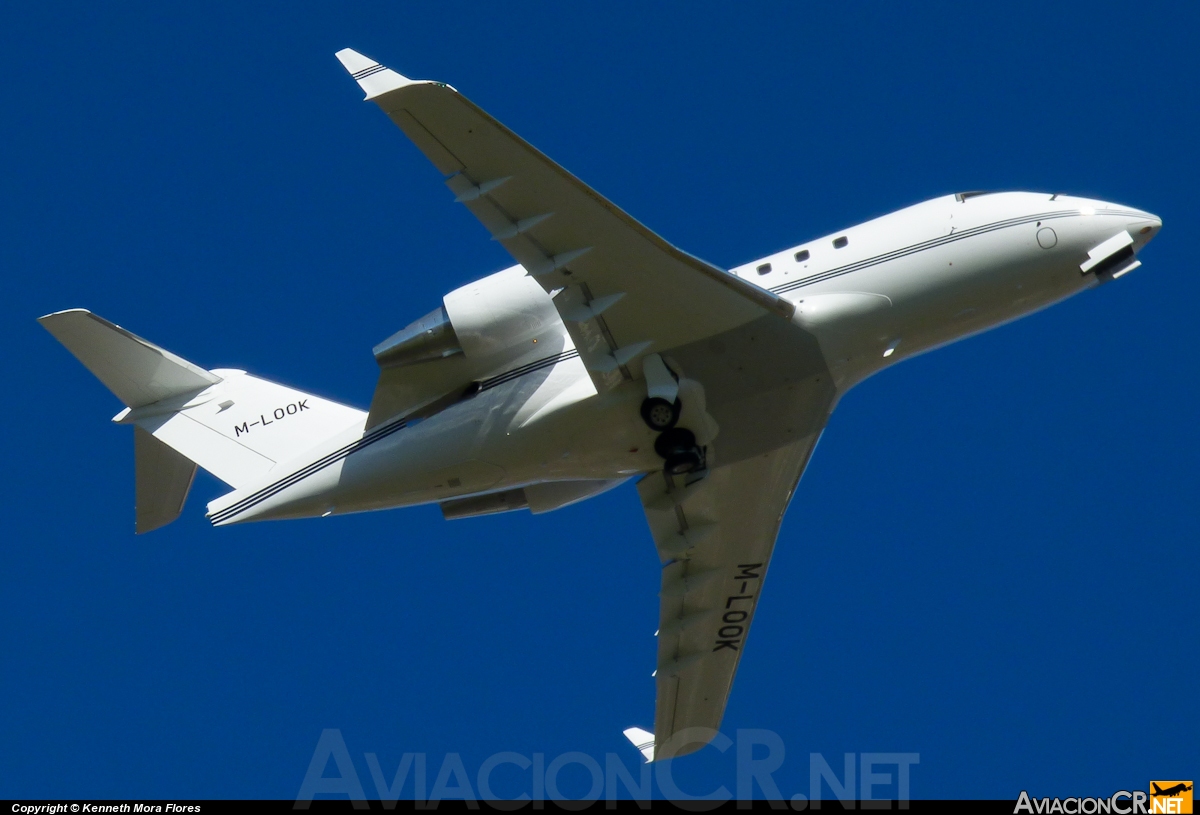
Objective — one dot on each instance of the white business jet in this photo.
(607, 354)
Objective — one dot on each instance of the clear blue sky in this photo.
(990, 562)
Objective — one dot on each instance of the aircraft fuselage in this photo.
(868, 296)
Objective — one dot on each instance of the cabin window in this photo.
(802, 256)
(764, 269)
(840, 243)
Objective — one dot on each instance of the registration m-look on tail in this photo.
(235, 426)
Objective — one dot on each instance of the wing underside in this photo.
(621, 289)
(715, 538)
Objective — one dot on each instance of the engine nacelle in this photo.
(486, 317)
(429, 338)
(500, 311)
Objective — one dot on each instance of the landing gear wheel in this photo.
(659, 414)
(678, 448)
(675, 440)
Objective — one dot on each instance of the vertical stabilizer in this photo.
(138, 372)
(164, 478)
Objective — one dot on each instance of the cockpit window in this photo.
(963, 196)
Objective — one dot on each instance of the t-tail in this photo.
(235, 426)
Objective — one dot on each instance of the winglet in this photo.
(643, 740)
(372, 77)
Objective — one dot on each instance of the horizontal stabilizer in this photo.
(138, 372)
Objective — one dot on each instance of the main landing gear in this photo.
(659, 414)
(679, 450)
(676, 445)
(661, 410)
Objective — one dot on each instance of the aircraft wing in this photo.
(622, 290)
(715, 538)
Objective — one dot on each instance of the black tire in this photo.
(674, 441)
(679, 451)
(659, 414)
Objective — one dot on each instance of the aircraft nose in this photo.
(1115, 256)
(1142, 227)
